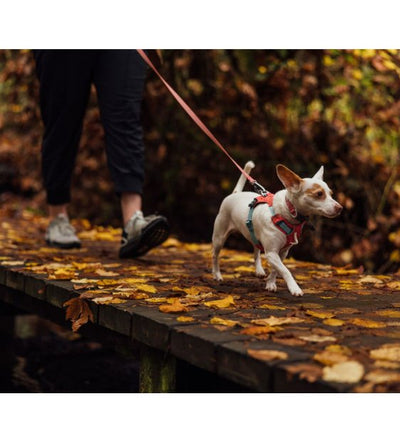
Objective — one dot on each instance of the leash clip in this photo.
(258, 188)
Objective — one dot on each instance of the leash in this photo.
(256, 186)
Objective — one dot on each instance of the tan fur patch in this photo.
(316, 191)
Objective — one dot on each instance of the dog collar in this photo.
(292, 231)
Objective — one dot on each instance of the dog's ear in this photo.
(289, 179)
(319, 175)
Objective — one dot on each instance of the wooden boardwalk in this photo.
(343, 335)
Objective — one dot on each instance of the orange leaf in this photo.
(79, 312)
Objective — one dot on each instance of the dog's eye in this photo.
(319, 194)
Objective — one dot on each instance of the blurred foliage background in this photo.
(337, 108)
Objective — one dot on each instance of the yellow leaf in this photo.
(320, 314)
(344, 372)
(107, 300)
(271, 307)
(329, 358)
(185, 319)
(226, 322)
(393, 285)
(388, 352)
(382, 376)
(336, 348)
(317, 338)
(334, 322)
(367, 323)
(244, 269)
(175, 307)
(62, 274)
(267, 355)
(254, 331)
(221, 303)
(104, 273)
(388, 313)
(146, 288)
(272, 320)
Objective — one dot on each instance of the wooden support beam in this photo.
(157, 371)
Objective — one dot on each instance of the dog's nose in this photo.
(338, 208)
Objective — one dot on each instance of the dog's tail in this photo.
(242, 179)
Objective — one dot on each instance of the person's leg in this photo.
(64, 78)
(119, 77)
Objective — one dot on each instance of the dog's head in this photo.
(310, 196)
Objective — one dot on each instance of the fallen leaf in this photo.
(309, 372)
(334, 322)
(367, 323)
(267, 355)
(336, 348)
(329, 358)
(317, 338)
(370, 280)
(221, 303)
(175, 307)
(387, 364)
(104, 273)
(393, 285)
(388, 313)
(271, 307)
(78, 311)
(320, 314)
(382, 376)
(185, 319)
(146, 288)
(388, 352)
(272, 320)
(226, 322)
(254, 331)
(244, 269)
(344, 372)
(107, 300)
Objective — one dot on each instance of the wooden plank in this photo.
(234, 363)
(153, 328)
(197, 344)
(116, 317)
(15, 280)
(59, 291)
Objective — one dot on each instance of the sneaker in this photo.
(142, 234)
(61, 234)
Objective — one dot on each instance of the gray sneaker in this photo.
(142, 234)
(61, 234)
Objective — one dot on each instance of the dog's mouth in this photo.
(334, 214)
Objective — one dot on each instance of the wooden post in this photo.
(157, 371)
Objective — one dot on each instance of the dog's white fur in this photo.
(310, 196)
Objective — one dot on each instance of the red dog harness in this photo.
(292, 231)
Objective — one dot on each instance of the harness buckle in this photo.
(258, 188)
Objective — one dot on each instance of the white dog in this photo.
(272, 223)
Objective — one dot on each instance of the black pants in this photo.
(65, 78)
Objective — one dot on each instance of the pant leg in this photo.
(119, 77)
(64, 77)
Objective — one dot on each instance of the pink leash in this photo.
(259, 188)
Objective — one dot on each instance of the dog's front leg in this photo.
(257, 262)
(276, 265)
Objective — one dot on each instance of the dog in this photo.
(272, 223)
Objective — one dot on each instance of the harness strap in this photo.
(292, 231)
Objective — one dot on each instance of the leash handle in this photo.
(197, 120)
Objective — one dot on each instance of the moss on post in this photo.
(157, 371)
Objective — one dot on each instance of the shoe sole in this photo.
(151, 236)
(63, 245)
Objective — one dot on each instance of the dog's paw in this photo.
(296, 291)
(260, 273)
(217, 276)
(271, 286)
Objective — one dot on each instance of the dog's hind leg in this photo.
(220, 234)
